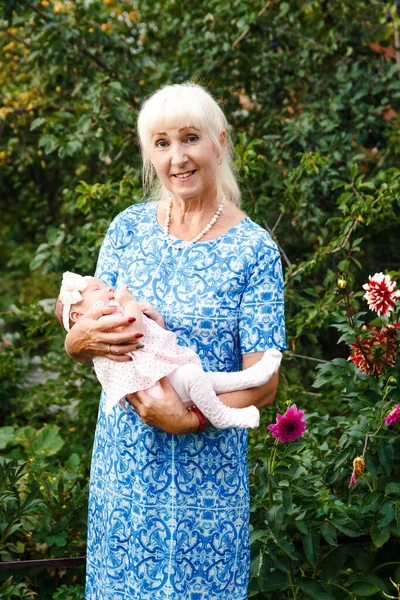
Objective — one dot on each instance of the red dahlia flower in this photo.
(381, 294)
(289, 426)
(393, 416)
(372, 353)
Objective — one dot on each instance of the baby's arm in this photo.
(130, 307)
(152, 313)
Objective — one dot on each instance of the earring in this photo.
(219, 161)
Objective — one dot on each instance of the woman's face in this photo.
(185, 160)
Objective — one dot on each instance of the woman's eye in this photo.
(161, 144)
(192, 138)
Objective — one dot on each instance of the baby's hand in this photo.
(149, 310)
(123, 295)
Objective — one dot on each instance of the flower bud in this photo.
(358, 466)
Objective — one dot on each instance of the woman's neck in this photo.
(191, 212)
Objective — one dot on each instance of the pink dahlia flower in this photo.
(289, 426)
(393, 416)
(381, 295)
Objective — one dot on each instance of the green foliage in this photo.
(312, 91)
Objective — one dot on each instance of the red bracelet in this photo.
(200, 416)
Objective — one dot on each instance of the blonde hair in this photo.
(184, 105)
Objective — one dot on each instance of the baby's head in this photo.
(77, 296)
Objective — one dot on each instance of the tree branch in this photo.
(246, 31)
(277, 222)
(17, 38)
(271, 232)
(397, 45)
(36, 10)
(281, 250)
(98, 61)
(299, 270)
(84, 51)
(288, 354)
(345, 240)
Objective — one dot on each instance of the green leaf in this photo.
(280, 561)
(59, 540)
(333, 561)
(347, 526)
(329, 533)
(275, 517)
(370, 578)
(363, 589)
(338, 184)
(276, 579)
(367, 185)
(379, 536)
(393, 488)
(6, 435)
(48, 441)
(313, 589)
(37, 261)
(258, 534)
(37, 123)
(311, 545)
(386, 453)
(354, 171)
(287, 502)
(301, 526)
(371, 501)
(287, 547)
(386, 514)
(49, 142)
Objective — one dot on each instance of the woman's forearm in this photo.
(82, 358)
(260, 396)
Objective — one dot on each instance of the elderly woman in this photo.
(169, 496)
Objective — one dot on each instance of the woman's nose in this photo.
(178, 155)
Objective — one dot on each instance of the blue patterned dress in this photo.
(169, 515)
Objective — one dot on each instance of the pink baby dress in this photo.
(160, 356)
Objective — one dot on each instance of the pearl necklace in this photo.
(184, 244)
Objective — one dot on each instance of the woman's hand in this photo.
(167, 413)
(91, 337)
(153, 314)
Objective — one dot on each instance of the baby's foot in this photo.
(271, 361)
(253, 417)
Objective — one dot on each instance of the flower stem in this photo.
(271, 468)
(293, 587)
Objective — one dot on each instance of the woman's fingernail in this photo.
(138, 335)
(139, 347)
(131, 319)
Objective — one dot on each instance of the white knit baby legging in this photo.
(195, 386)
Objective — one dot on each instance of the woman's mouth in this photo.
(184, 176)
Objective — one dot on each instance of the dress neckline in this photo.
(189, 244)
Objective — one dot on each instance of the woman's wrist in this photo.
(201, 420)
(81, 357)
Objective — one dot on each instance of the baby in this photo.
(160, 356)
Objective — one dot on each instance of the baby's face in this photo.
(95, 291)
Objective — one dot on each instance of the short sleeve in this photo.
(109, 256)
(261, 311)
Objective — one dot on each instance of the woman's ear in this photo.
(222, 139)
